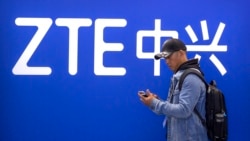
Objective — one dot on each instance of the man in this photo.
(183, 124)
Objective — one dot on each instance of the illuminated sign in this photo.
(73, 24)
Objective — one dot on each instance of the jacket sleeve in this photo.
(188, 98)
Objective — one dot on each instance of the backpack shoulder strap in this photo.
(190, 71)
(183, 76)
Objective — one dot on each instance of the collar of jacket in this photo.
(192, 63)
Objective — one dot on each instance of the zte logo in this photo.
(100, 46)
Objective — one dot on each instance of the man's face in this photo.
(173, 61)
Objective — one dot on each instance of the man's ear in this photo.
(182, 52)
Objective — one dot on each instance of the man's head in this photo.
(170, 46)
(174, 52)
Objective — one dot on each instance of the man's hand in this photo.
(147, 100)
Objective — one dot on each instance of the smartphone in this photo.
(143, 93)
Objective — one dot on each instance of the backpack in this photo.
(216, 114)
